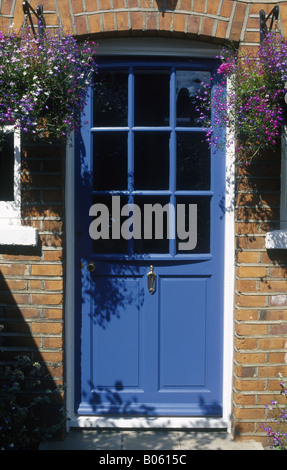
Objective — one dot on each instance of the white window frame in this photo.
(277, 239)
(10, 210)
(11, 230)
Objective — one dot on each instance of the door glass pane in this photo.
(188, 82)
(106, 223)
(151, 160)
(111, 99)
(7, 167)
(193, 224)
(152, 98)
(154, 212)
(192, 161)
(110, 160)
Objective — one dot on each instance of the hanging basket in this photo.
(44, 78)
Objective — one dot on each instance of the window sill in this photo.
(18, 236)
(276, 240)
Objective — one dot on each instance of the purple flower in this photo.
(225, 68)
(255, 105)
(44, 82)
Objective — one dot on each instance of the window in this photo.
(11, 231)
(148, 148)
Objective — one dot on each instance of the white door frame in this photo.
(161, 47)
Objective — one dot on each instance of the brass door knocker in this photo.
(151, 281)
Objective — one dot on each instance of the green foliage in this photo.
(23, 401)
(276, 428)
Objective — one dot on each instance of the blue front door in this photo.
(150, 231)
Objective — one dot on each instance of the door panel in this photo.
(154, 194)
(117, 346)
(182, 333)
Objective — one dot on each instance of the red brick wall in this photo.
(31, 278)
(214, 20)
(31, 295)
(260, 303)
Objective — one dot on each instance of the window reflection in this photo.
(155, 213)
(151, 160)
(188, 82)
(193, 161)
(187, 225)
(110, 160)
(111, 102)
(107, 223)
(152, 98)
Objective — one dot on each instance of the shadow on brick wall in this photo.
(258, 199)
(31, 393)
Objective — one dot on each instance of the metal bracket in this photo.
(274, 14)
(27, 9)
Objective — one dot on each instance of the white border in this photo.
(11, 230)
(10, 210)
(277, 239)
(70, 279)
(229, 271)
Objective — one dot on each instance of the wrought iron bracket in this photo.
(274, 14)
(27, 9)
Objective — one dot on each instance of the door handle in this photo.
(91, 266)
(151, 280)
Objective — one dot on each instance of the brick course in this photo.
(31, 284)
